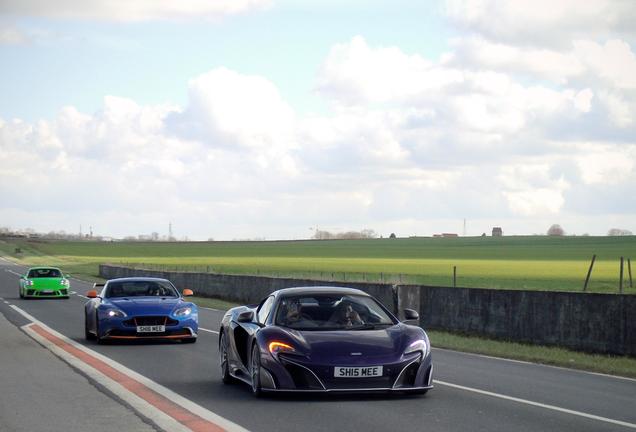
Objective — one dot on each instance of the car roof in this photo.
(138, 279)
(309, 290)
(44, 268)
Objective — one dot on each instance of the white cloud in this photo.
(133, 10)
(409, 140)
(543, 22)
(11, 35)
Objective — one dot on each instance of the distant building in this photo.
(497, 232)
(446, 235)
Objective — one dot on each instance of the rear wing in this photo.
(98, 286)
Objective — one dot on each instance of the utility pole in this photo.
(169, 231)
(464, 227)
(80, 231)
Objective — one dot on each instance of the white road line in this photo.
(26, 315)
(538, 404)
(536, 364)
(163, 421)
(212, 309)
(6, 302)
(208, 330)
(11, 271)
(82, 296)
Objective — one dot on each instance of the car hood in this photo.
(47, 283)
(146, 305)
(352, 346)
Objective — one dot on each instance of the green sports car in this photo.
(44, 282)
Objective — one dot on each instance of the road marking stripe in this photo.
(168, 409)
(538, 404)
(12, 272)
(208, 330)
(6, 302)
(620, 377)
(212, 309)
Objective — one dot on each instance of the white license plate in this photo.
(46, 292)
(151, 329)
(357, 372)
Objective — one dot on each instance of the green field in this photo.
(532, 262)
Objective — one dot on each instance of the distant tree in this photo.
(392, 235)
(619, 232)
(556, 230)
(483, 234)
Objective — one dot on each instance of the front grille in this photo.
(150, 320)
(178, 332)
(303, 379)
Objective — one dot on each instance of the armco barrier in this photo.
(604, 323)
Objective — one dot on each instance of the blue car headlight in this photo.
(418, 345)
(115, 313)
(183, 311)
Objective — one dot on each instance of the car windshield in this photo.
(331, 312)
(140, 289)
(44, 273)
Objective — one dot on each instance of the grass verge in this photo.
(612, 365)
(213, 303)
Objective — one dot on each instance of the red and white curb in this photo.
(167, 409)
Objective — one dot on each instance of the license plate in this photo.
(46, 292)
(151, 329)
(357, 372)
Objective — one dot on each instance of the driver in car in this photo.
(346, 315)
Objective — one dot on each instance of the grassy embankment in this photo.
(540, 263)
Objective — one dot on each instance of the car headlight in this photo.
(64, 282)
(28, 282)
(418, 345)
(115, 313)
(183, 311)
(276, 347)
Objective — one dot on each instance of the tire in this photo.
(100, 341)
(87, 334)
(223, 361)
(255, 371)
(21, 294)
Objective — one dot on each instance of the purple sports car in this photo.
(323, 339)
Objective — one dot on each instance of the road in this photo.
(472, 392)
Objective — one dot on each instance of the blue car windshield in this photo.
(331, 312)
(140, 289)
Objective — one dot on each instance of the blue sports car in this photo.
(323, 339)
(136, 308)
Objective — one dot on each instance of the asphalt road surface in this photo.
(471, 392)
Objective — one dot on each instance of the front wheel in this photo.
(223, 361)
(21, 294)
(87, 334)
(255, 371)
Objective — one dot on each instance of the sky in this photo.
(270, 119)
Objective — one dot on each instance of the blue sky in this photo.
(78, 62)
(262, 118)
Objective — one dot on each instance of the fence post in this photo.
(454, 276)
(629, 271)
(589, 273)
(620, 282)
(381, 277)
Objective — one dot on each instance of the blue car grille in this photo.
(150, 320)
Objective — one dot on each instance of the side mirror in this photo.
(91, 294)
(22, 277)
(247, 316)
(187, 292)
(67, 276)
(411, 315)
